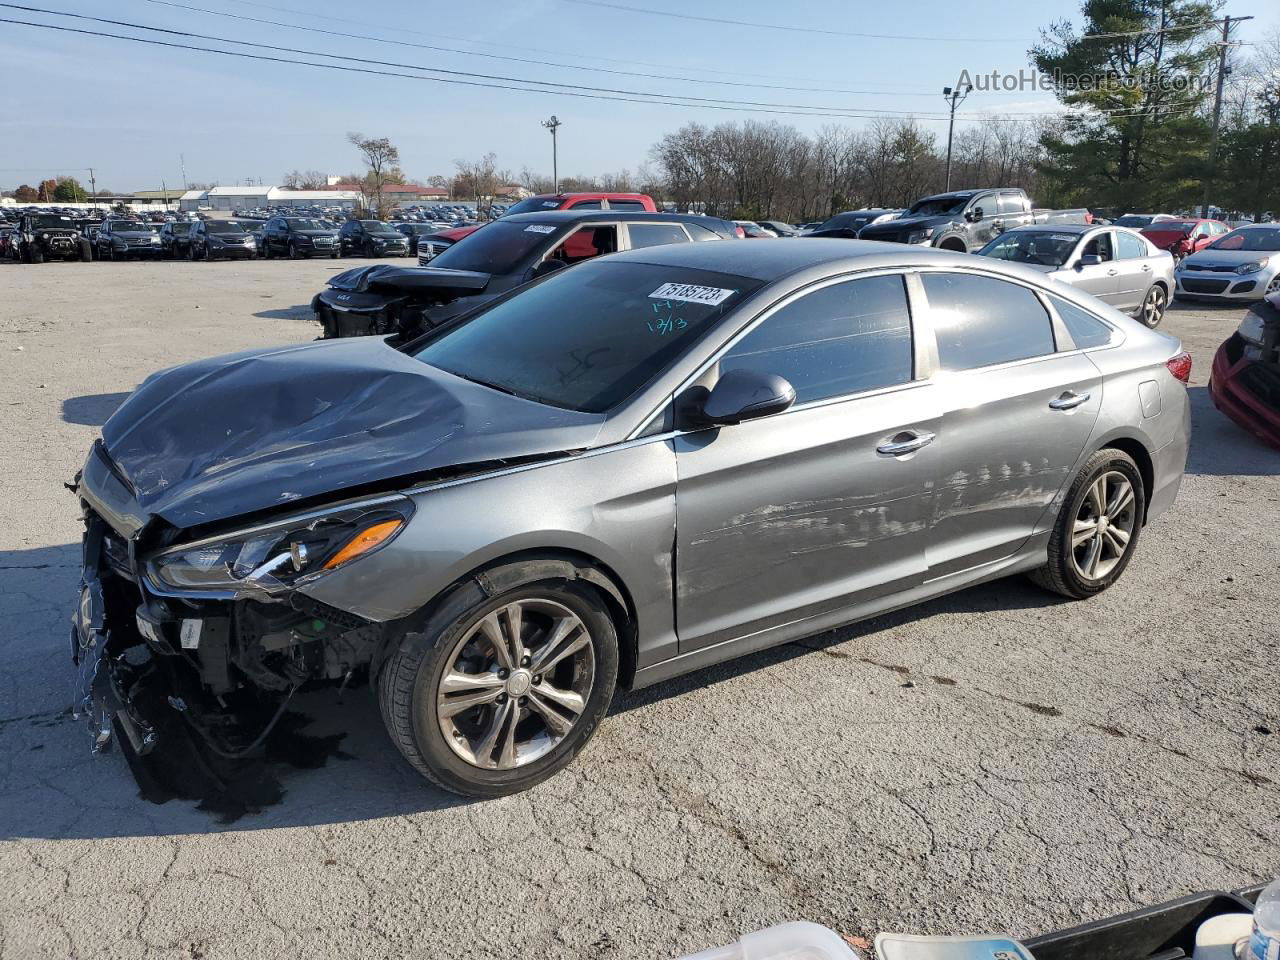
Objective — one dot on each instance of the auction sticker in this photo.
(691, 293)
(539, 228)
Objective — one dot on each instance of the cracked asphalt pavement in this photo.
(995, 760)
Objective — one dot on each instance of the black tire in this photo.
(368, 250)
(37, 255)
(1061, 574)
(191, 252)
(86, 251)
(408, 685)
(266, 250)
(334, 255)
(293, 251)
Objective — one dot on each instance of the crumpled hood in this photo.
(245, 432)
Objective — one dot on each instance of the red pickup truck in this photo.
(631, 202)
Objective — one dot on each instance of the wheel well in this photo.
(954, 245)
(1142, 458)
(547, 564)
(1163, 286)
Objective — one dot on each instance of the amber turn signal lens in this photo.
(364, 541)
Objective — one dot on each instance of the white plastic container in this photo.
(786, 941)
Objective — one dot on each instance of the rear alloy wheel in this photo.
(505, 694)
(293, 251)
(1097, 529)
(1153, 306)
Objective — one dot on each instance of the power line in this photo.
(528, 60)
(791, 29)
(790, 109)
(486, 81)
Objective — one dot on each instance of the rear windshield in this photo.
(497, 247)
(590, 337)
(534, 205)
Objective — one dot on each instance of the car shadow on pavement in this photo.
(301, 312)
(1221, 448)
(92, 409)
(332, 762)
(1007, 593)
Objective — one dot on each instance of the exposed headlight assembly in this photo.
(1253, 267)
(280, 556)
(920, 236)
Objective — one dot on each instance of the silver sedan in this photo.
(1242, 265)
(1118, 266)
(623, 472)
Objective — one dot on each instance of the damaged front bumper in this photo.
(217, 661)
(1245, 381)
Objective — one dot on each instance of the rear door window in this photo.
(635, 206)
(845, 338)
(585, 205)
(1010, 203)
(1129, 246)
(981, 321)
(655, 234)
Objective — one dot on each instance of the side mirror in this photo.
(550, 265)
(974, 215)
(746, 395)
(1090, 260)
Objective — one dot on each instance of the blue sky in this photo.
(131, 111)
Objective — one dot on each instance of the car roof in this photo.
(572, 216)
(772, 259)
(1062, 228)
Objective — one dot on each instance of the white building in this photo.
(249, 198)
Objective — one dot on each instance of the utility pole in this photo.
(182, 162)
(954, 97)
(553, 125)
(1217, 109)
(93, 185)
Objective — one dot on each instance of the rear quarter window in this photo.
(1085, 329)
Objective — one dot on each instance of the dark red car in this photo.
(1186, 236)
(1245, 383)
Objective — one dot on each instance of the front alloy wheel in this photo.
(497, 693)
(517, 683)
(1153, 306)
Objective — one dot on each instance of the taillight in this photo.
(1180, 366)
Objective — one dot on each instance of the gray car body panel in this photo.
(724, 540)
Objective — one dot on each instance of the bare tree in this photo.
(382, 158)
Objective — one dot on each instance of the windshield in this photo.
(135, 226)
(223, 226)
(588, 338)
(297, 223)
(180, 229)
(1262, 239)
(940, 206)
(1032, 246)
(497, 247)
(1135, 220)
(534, 205)
(52, 220)
(376, 227)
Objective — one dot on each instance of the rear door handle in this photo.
(1068, 401)
(1146, 268)
(909, 441)
(1112, 272)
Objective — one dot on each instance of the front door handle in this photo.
(1068, 400)
(1112, 272)
(1146, 268)
(909, 441)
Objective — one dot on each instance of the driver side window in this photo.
(586, 243)
(845, 338)
(1100, 247)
